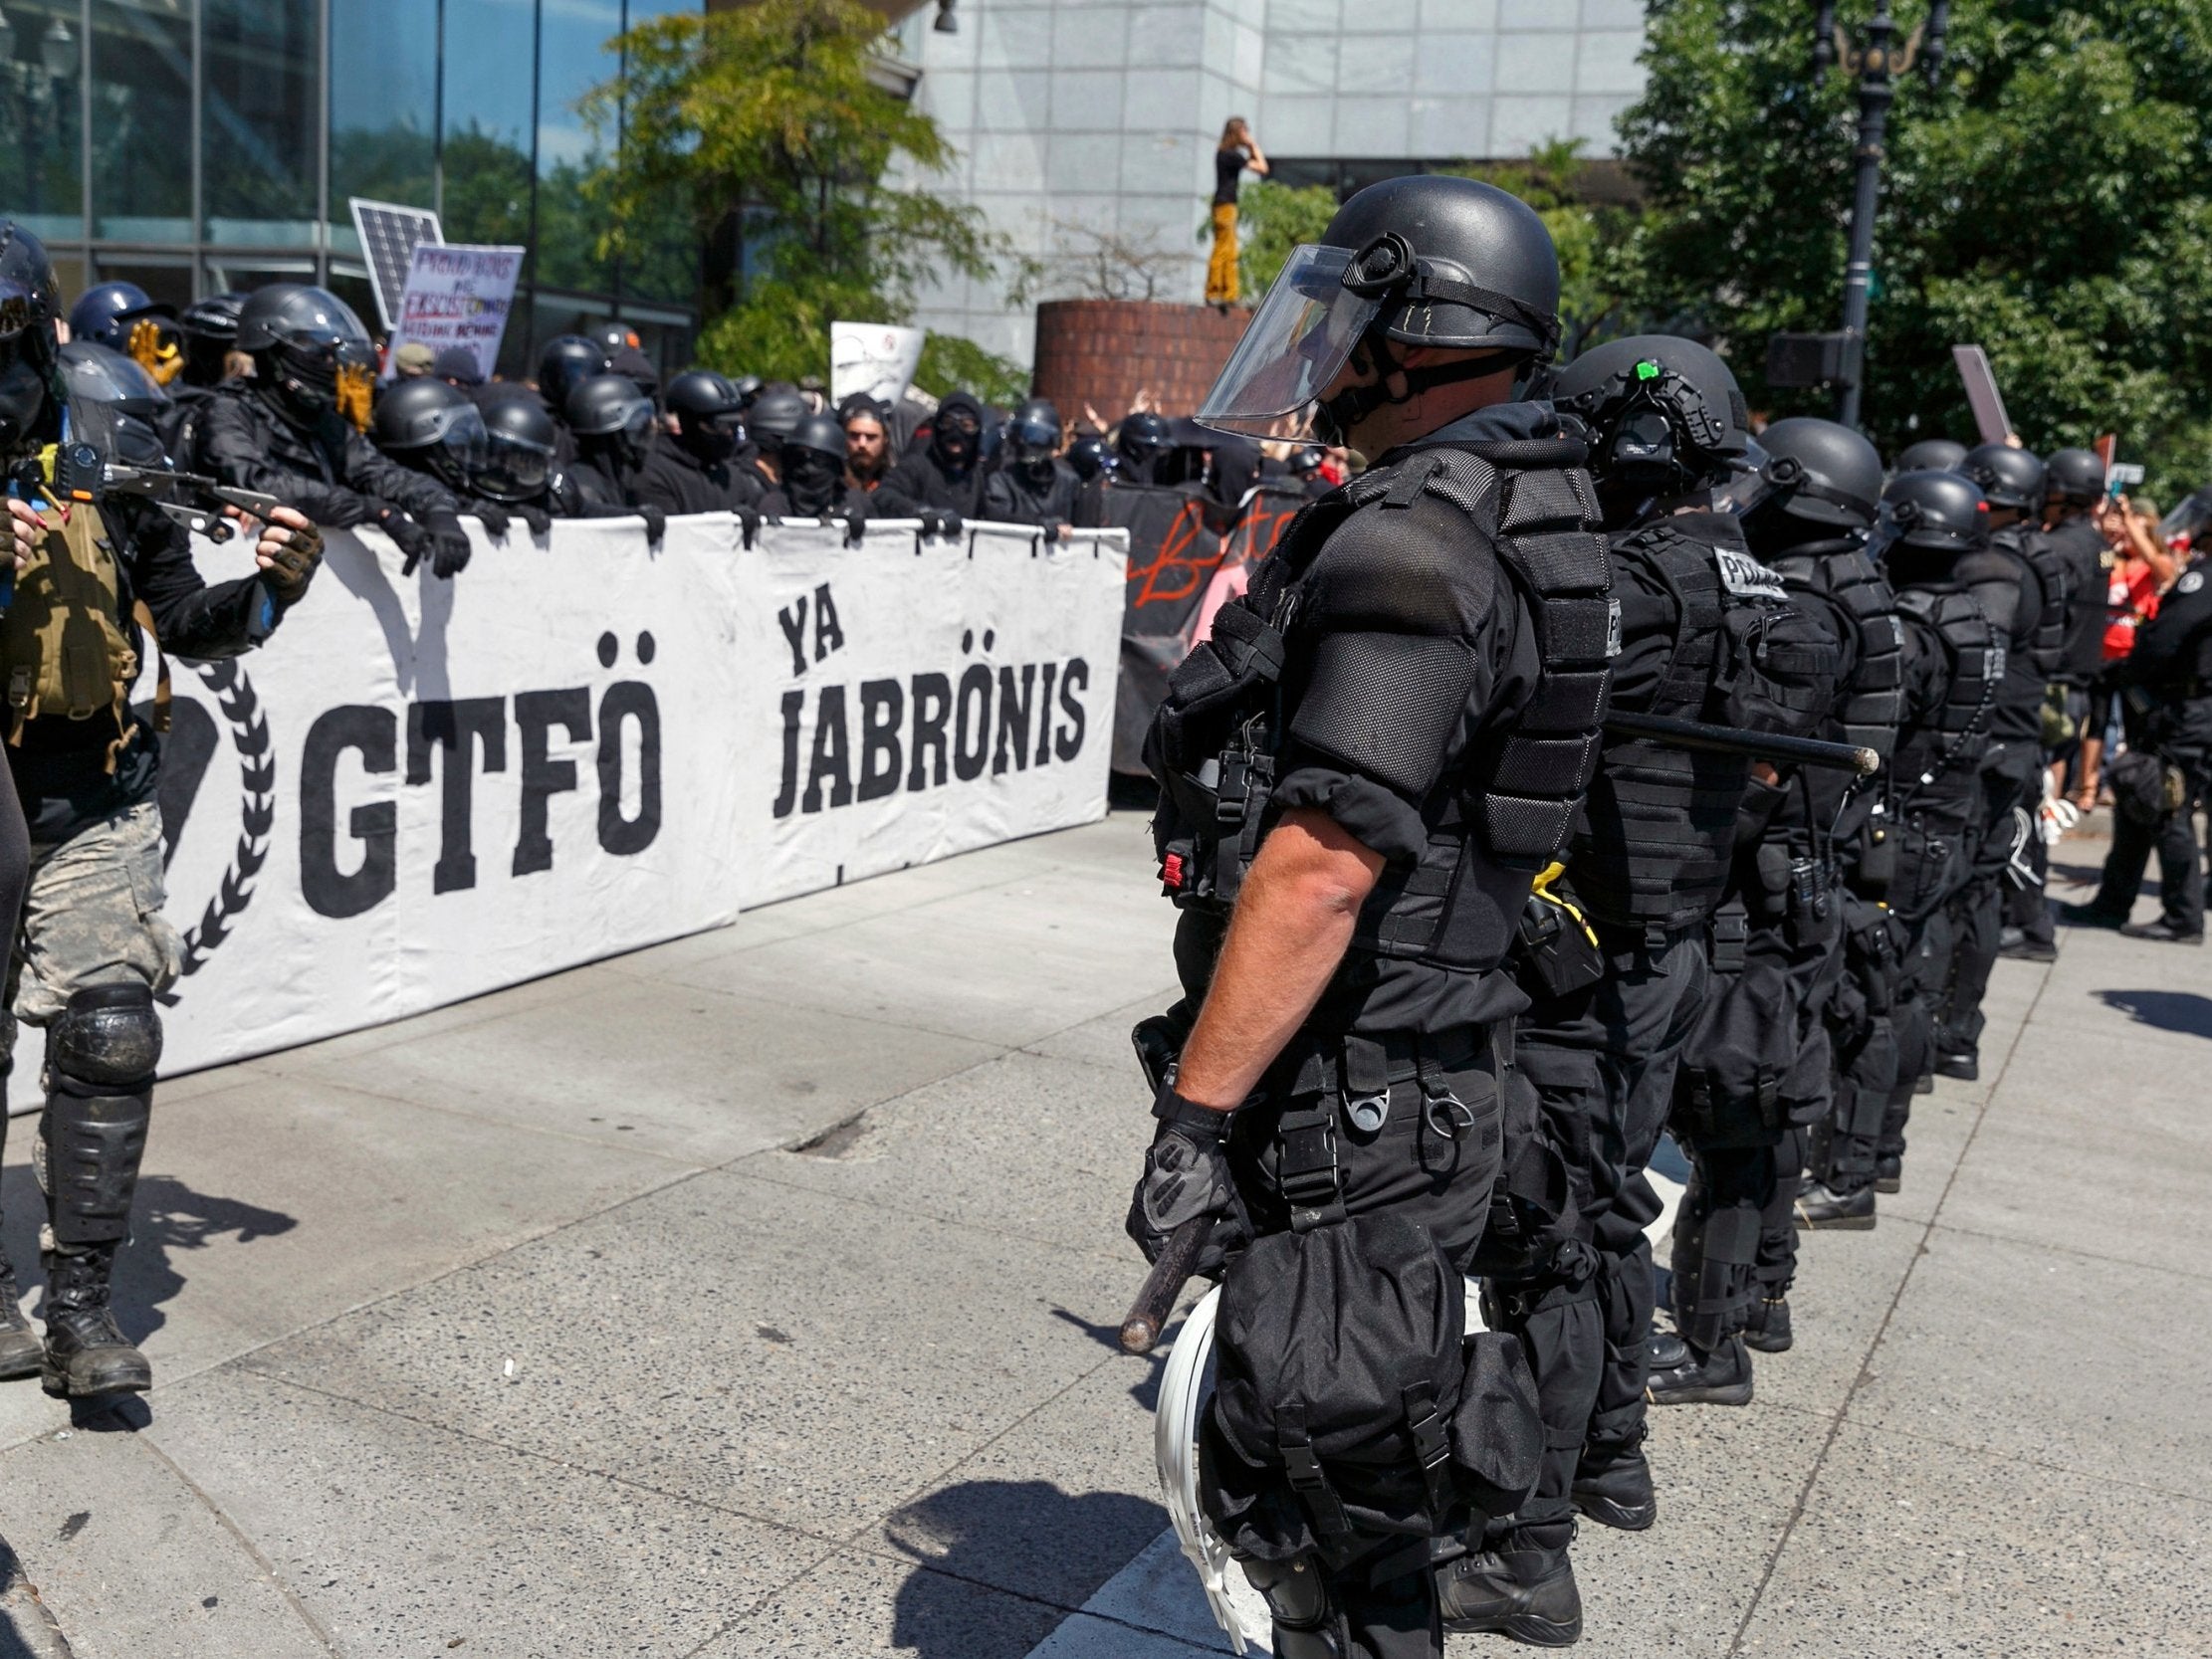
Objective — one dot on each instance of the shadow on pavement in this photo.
(987, 1533)
(2183, 1011)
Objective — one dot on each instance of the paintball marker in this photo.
(205, 519)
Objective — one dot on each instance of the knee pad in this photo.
(108, 1038)
(101, 1055)
(1307, 1624)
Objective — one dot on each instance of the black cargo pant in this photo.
(1412, 1166)
(1603, 1061)
(1923, 964)
(1864, 1035)
(2174, 838)
(1978, 912)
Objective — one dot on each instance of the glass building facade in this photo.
(196, 145)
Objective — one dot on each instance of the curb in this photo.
(24, 1615)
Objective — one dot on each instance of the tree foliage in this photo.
(1272, 220)
(765, 117)
(1596, 288)
(2048, 199)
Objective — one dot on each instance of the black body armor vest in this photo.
(1423, 537)
(1660, 824)
(2055, 582)
(1943, 758)
(1868, 711)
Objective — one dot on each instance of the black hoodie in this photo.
(938, 476)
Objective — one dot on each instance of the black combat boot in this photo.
(1889, 1172)
(1767, 1325)
(1960, 1062)
(1528, 1594)
(1613, 1486)
(1822, 1209)
(1719, 1377)
(85, 1355)
(20, 1349)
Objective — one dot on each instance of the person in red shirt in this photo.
(2142, 568)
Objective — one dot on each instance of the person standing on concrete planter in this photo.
(1238, 150)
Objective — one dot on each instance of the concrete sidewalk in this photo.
(754, 1296)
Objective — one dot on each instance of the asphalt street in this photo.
(754, 1295)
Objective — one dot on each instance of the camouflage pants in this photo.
(91, 917)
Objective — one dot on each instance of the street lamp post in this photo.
(1876, 58)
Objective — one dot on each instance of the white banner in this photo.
(456, 295)
(419, 791)
(878, 359)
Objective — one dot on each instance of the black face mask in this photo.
(813, 483)
(955, 448)
(711, 443)
(23, 398)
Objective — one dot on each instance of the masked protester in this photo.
(437, 429)
(1032, 485)
(88, 769)
(773, 416)
(696, 470)
(567, 363)
(1145, 443)
(947, 473)
(520, 471)
(283, 432)
(814, 484)
(120, 408)
(1341, 1105)
(613, 424)
(209, 330)
(123, 317)
(1093, 458)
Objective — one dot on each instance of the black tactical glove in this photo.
(408, 536)
(1055, 529)
(537, 517)
(749, 526)
(495, 519)
(856, 530)
(449, 543)
(656, 522)
(949, 526)
(294, 563)
(1187, 1173)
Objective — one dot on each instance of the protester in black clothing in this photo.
(1093, 457)
(281, 432)
(613, 423)
(1034, 485)
(437, 429)
(520, 470)
(867, 442)
(566, 363)
(948, 474)
(813, 483)
(1145, 442)
(695, 469)
(773, 415)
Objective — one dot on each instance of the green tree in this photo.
(763, 118)
(2049, 200)
(1595, 286)
(1274, 219)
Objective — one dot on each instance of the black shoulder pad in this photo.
(1416, 556)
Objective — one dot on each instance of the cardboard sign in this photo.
(458, 294)
(878, 359)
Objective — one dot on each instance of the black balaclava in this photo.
(813, 483)
(957, 452)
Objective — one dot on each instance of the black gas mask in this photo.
(813, 482)
(956, 438)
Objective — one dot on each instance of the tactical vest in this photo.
(1660, 824)
(1942, 757)
(1868, 713)
(2055, 583)
(63, 652)
(1503, 808)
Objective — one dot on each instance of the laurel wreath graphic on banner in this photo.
(257, 815)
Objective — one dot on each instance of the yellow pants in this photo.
(1220, 270)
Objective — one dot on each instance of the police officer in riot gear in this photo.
(1798, 1030)
(1145, 442)
(290, 431)
(1932, 542)
(1433, 640)
(86, 767)
(1032, 485)
(947, 473)
(2022, 582)
(1647, 868)
(566, 363)
(696, 470)
(2073, 484)
(1931, 455)
(436, 429)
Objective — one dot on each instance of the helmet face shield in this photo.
(1760, 477)
(1298, 342)
(2189, 518)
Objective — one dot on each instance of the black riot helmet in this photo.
(1665, 416)
(1810, 480)
(1930, 513)
(1145, 443)
(435, 428)
(567, 361)
(210, 330)
(1093, 457)
(1033, 433)
(776, 412)
(2074, 477)
(710, 414)
(813, 466)
(609, 407)
(307, 345)
(2010, 479)
(115, 404)
(520, 441)
(1428, 260)
(30, 306)
(124, 318)
(1931, 455)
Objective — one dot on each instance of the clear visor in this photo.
(2189, 519)
(18, 307)
(637, 418)
(513, 469)
(462, 432)
(1757, 477)
(1296, 344)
